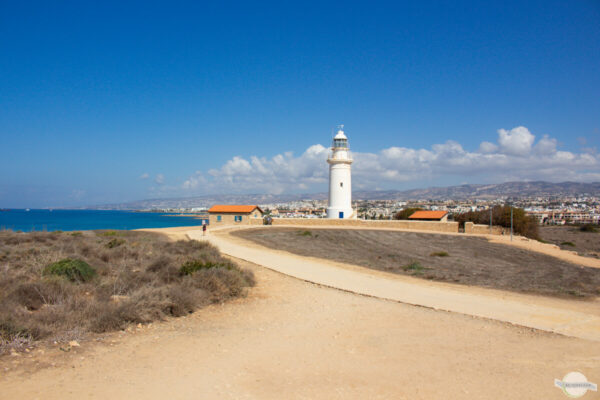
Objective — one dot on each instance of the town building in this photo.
(221, 214)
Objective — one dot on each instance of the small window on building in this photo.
(238, 218)
(218, 218)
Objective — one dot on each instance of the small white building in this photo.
(340, 180)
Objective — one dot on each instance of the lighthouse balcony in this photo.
(336, 159)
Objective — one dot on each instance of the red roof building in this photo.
(226, 208)
(424, 215)
(225, 214)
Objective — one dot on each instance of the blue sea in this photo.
(79, 220)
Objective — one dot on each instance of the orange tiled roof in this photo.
(226, 208)
(428, 214)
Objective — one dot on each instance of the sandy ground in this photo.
(291, 339)
(569, 317)
(297, 340)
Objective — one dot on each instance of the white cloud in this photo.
(515, 156)
(160, 179)
(275, 175)
(145, 175)
(517, 141)
(487, 147)
(194, 181)
(546, 145)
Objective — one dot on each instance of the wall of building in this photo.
(229, 219)
(483, 229)
(434, 226)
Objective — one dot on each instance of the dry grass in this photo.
(137, 278)
(585, 239)
(452, 258)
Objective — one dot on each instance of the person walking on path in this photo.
(204, 229)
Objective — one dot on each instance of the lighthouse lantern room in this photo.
(340, 182)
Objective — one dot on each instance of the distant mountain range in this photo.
(489, 191)
(462, 192)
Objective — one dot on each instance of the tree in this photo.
(523, 224)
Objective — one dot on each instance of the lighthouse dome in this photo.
(340, 135)
(340, 141)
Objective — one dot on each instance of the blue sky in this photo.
(109, 102)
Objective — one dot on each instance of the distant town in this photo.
(551, 203)
(555, 210)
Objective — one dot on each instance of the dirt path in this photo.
(462, 259)
(295, 340)
(572, 318)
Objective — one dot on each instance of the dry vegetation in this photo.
(451, 258)
(523, 224)
(61, 286)
(585, 240)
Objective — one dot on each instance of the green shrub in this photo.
(305, 233)
(189, 267)
(415, 267)
(439, 254)
(114, 242)
(74, 270)
(568, 244)
(76, 234)
(108, 233)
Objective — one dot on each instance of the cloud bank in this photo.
(515, 156)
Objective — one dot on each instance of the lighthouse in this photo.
(340, 182)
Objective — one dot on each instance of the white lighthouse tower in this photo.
(340, 182)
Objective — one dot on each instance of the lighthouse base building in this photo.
(340, 179)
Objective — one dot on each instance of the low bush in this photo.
(305, 233)
(414, 267)
(112, 243)
(589, 228)
(145, 278)
(571, 244)
(73, 269)
(9, 329)
(189, 267)
(13, 337)
(439, 254)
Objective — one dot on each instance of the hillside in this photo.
(462, 192)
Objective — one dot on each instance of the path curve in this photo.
(567, 317)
